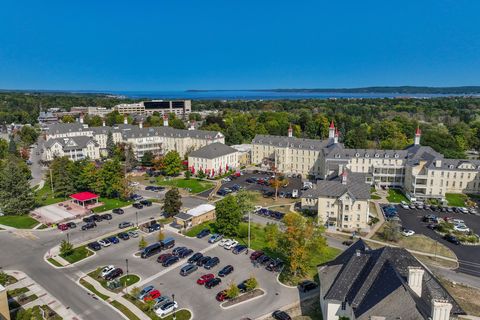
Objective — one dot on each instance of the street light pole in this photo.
(51, 182)
(136, 217)
(174, 316)
(249, 217)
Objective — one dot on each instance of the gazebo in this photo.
(84, 198)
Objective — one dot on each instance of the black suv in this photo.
(212, 283)
(94, 246)
(195, 257)
(203, 260)
(115, 273)
(123, 236)
(225, 271)
(452, 239)
(211, 263)
(275, 265)
(118, 211)
(280, 315)
(185, 253)
(307, 285)
(146, 203)
(138, 205)
(89, 225)
(106, 216)
(170, 261)
(203, 233)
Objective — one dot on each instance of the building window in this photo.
(344, 305)
(358, 206)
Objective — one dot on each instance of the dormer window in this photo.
(337, 155)
(311, 147)
(367, 155)
(357, 155)
(299, 145)
(386, 155)
(451, 166)
(377, 155)
(396, 155)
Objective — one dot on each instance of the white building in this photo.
(76, 148)
(213, 159)
(181, 108)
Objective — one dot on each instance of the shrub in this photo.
(66, 248)
(252, 283)
(142, 243)
(232, 290)
(391, 231)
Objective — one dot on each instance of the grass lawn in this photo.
(17, 292)
(456, 199)
(126, 281)
(54, 262)
(110, 204)
(464, 295)
(375, 197)
(195, 185)
(132, 278)
(44, 197)
(129, 314)
(270, 201)
(180, 314)
(20, 222)
(93, 290)
(396, 196)
(78, 254)
(208, 224)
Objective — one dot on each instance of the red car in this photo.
(63, 227)
(161, 258)
(152, 295)
(255, 255)
(203, 279)
(222, 296)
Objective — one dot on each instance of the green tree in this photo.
(160, 235)
(172, 163)
(176, 123)
(142, 243)
(272, 234)
(3, 148)
(61, 176)
(135, 292)
(228, 215)
(201, 174)
(87, 179)
(391, 231)
(16, 197)
(147, 159)
(188, 174)
(172, 202)
(66, 248)
(68, 119)
(12, 146)
(28, 135)
(110, 145)
(110, 181)
(232, 290)
(251, 283)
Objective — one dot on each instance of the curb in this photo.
(285, 285)
(243, 302)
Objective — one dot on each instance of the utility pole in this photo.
(51, 182)
(249, 217)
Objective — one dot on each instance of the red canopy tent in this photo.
(85, 197)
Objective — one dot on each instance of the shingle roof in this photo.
(291, 142)
(355, 186)
(60, 128)
(212, 151)
(78, 142)
(369, 280)
(183, 216)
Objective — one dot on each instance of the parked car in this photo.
(231, 245)
(166, 308)
(203, 233)
(118, 211)
(195, 257)
(215, 237)
(161, 301)
(151, 250)
(188, 269)
(239, 249)
(106, 216)
(206, 277)
(242, 287)
(137, 205)
(97, 218)
(104, 242)
(407, 232)
(123, 236)
(107, 270)
(113, 239)
(168, 243)
(146, 203)
(152, 295)
(307, 285)
(164, 256)
(144, 292)
(280, 315)
(452, 239)
(275, 265)
(461, 228)
(71, 225)
(203, 260)
(177, 250)
(62, 226)
(185, 253)
(213, 283)
(133, 234)
(211, 263)
(170, 261)
(123, 225)
(221, 296)
(225, 271)
(94, 246)
(88, 226)
(117, 272)
(223, 242)
(255, 255)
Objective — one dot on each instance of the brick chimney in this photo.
(125, 120)
(418, 134)
(335, 138)
(290, 131)
(331, 130)
(165, 120)
(140, 124)
(441, 309)
(415, 277)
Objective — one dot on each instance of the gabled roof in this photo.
(212, 151)
(356, 187)
(71, 143)
(291, 142)
(370, 280)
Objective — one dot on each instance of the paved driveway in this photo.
(468, 256)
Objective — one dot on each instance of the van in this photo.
(295, 193)
(151, 250)
(168, 243)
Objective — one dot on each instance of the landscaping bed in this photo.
(466, 238)
(125, 280)
(129, 314)
(36, 313)
(91, 288)
(6, 279)
(77, 254)
(55, 262)
(244, 297)
(396, 196)
(16, 292)
(192, 185)
(20, 222)
(21, 300)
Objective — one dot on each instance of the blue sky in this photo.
(182, 44)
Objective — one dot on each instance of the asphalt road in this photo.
(468, 256)
(38, 171)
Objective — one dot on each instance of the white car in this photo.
(257, 208)
(104, 243)
(408, 233)
(166, 308)
(133, 234)
(461, 228)
(107, 270)
(227, 179)
(231, 245)
(223, 242)
(458, 221)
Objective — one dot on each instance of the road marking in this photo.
(25, 235)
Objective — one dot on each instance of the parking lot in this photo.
(468, 256)
(188, 293)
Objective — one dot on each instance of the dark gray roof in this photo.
(60, 128)
(371, 280)
(130, 131)
(71, 143)
(292, 142)
(183, 216)
(213, 150)
(338, 151)
(355, 186)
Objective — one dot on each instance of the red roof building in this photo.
(84, 198)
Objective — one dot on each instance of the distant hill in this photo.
(398, 90)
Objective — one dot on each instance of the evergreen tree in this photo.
(3, 148)
(61, 170)
(172, 203)
(130, 159)
(147, 159)
(110, 145)
(16, 197)
(12, 146)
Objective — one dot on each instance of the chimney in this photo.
(165, 120)
(81, 118)
(418, 134)
(344, 177)
(415, 276)
(103, 123)
(191, 125)
(290, 131)
(441, 309)
(125, 120)
(331, 130)
(335, 138)
(140, 124)
(438, 163)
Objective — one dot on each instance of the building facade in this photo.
(419, 170)
(181, 108)
(4, 309)
(214, 159)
